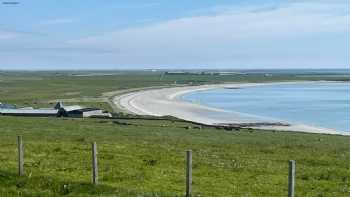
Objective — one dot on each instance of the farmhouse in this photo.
(77, 111)
(59, 110)
(29, 112)
(86, 113)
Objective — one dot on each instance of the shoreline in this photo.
(168, 102)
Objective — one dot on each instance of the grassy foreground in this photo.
(146, 158)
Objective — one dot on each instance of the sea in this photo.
(319, 104)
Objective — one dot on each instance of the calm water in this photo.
(319, 104)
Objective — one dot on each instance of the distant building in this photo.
(222, 73)
(87, 113)
(12, 110)
(59, 110)
(29, 112)
(77, 111)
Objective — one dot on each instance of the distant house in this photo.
(59, 110)
(12, 110)
(29, 112)
(87, 113)
(77, 111)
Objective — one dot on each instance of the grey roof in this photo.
(29, 111)
(86, 110)
(72, 108)
(26, 108)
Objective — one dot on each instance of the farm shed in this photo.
(86, 113)
(29, 112)
(59, 110)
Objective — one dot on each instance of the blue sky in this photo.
(136, 34)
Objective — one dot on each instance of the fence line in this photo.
(188, 158)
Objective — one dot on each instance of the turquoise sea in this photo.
(323, 104)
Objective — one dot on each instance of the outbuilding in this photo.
(74, 111)
(29, 112)
(87, 112)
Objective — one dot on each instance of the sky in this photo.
(181, 34)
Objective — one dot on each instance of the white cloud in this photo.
(216, 35)
(294, 34)
(289, 20)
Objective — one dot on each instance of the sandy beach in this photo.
(168, 102)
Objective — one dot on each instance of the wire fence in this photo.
(188, 168)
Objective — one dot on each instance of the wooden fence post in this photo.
(188, 173)
(20, 156)
(291, 179)
(94, 164)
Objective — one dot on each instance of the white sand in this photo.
(167, 102)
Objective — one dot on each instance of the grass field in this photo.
(140, 157)
(146, 158)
